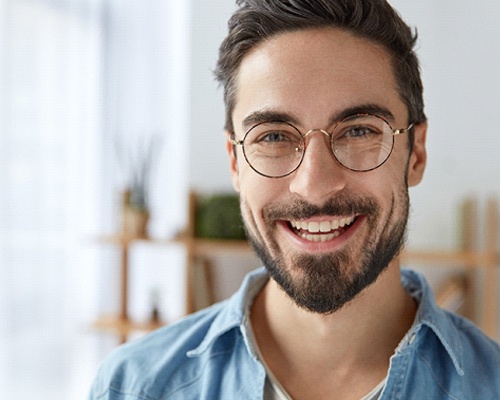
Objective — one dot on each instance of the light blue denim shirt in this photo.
(207, 356)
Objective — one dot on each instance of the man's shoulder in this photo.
(136, 368)
(449, 354)
(461, 360)
(461, 338)
(180, 336)
(169, 362)
(475, 346)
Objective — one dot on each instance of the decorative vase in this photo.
(134, 221)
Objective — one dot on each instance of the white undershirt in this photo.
(274, 391)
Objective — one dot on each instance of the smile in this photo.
(321, 231)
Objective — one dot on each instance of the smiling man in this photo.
(325, 133)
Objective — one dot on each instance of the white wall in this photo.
(208, 160)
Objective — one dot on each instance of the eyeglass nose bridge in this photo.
(331, 146)
(326, 133)
(317, 130)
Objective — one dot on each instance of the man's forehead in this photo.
(291, 70)
(328, 41)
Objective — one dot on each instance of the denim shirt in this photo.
(207, 356)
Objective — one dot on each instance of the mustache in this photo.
(342, 205)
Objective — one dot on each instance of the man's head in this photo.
(324, 231)
(258, 20)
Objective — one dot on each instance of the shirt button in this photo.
(412, 338)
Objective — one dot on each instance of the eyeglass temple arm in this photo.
(235, 142)
(404, 130)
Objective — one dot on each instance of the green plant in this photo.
(218, 217)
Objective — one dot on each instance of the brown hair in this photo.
(375, 20)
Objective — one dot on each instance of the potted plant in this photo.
(136, 196)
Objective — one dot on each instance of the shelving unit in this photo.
(200, 252)
(474, 259)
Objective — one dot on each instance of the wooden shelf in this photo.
(438, 258)
(209, 247)
(123, 327)
(201, 246)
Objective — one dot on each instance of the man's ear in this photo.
(233, 162)
(418, 156)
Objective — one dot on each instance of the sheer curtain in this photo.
(50, 172)
(74, 76)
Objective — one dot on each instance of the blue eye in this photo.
(275, 137)
(359, 131)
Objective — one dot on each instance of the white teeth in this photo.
(323, 226)
(319, 238)
(313, 227)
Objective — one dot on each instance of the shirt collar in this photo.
(232, 314)
(435, 318)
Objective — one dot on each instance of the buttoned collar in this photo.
(435, 318)
(233, 313)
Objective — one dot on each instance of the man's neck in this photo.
(348, 351)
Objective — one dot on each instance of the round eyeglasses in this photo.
(360, 142)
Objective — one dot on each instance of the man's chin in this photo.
(318, 284)
(325, 283)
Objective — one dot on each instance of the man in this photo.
(326, 130)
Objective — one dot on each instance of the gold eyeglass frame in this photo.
(394, 132)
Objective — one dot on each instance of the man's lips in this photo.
(321, 231)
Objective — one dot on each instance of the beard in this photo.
(325, 283)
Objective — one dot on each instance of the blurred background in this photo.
(100, 96)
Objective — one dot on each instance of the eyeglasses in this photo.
(360, 142)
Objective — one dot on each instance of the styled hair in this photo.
(375, 20)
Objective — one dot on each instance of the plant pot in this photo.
(135, 222)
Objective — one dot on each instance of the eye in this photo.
(273, 135)
(276, 136)
(359, 132)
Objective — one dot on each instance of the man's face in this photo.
(310, 77)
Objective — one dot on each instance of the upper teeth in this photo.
(323, 226)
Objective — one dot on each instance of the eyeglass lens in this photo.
(360, 143)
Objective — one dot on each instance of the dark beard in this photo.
(328, 282)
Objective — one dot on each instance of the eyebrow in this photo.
(369, 108)
(260, 116)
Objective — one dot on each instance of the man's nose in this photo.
(320, 175)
